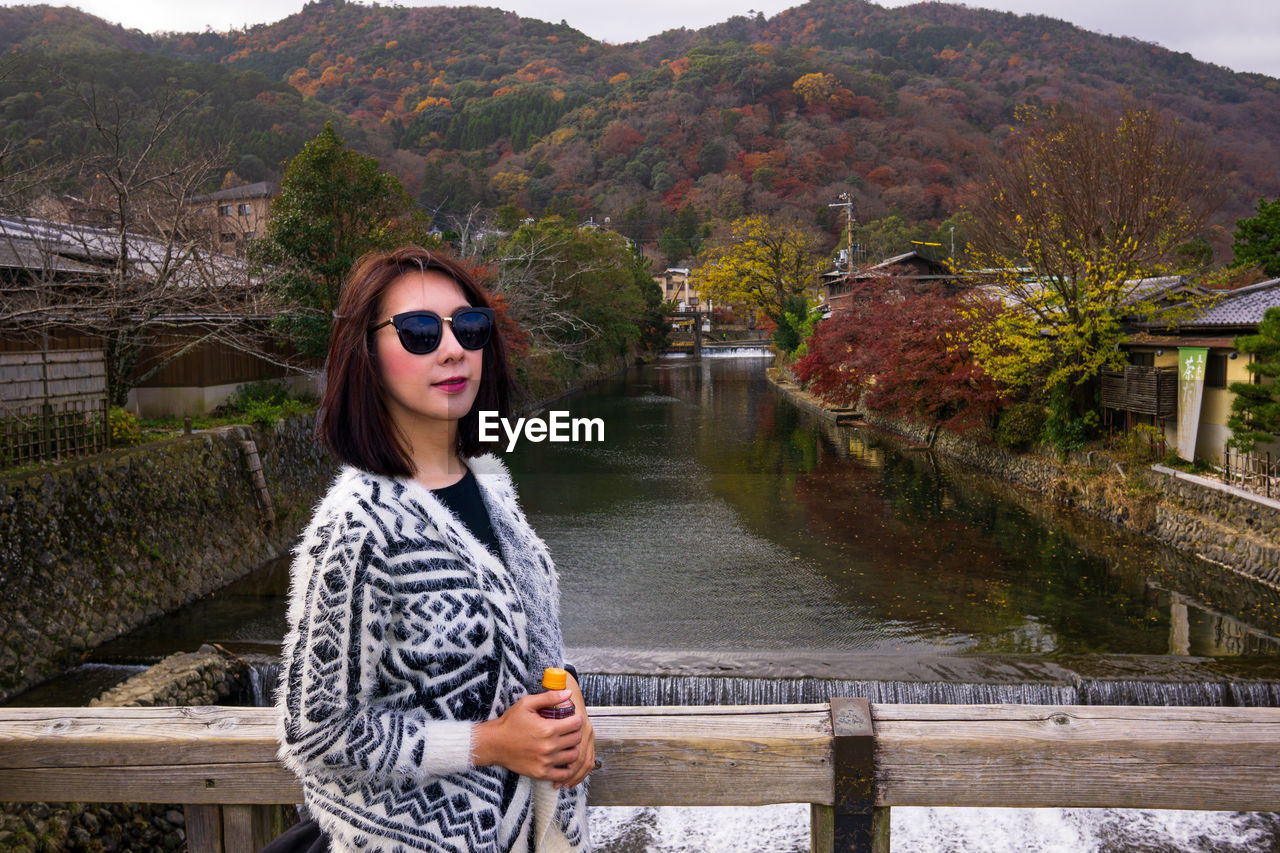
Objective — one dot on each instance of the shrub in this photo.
(266, 414)
(1142, 443)
(125, 430)
(253, 393)
(1066, 428)
(1020, 426)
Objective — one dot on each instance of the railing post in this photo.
(231, 828)
(853, 824)
(203, 824)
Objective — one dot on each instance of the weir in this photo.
(1194, 683)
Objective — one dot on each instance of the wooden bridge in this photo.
(851, 761)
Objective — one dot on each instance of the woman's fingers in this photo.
(586, 758)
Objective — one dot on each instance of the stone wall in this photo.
(92, 549)
(1219, 523)
(204, 677)
(1194, 514)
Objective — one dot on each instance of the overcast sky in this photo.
(1240, 34)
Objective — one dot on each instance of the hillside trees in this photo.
(581, 294)
(1083, 206)
(759, 263)
(334, 205)
(683, 239)
(1257, 239)
(242, 112)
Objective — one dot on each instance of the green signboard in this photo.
(1191, 362)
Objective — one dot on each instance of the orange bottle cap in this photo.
(554, 678)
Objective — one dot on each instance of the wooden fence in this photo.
(1254, 472)
(1141, 390)
(53, 405)
(851, 761)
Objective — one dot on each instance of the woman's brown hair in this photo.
(354, 420)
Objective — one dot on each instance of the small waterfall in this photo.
(1255, 694)
(1127, 692)
(650, 690)
(646, 690)
(264, 675)
(736, 352)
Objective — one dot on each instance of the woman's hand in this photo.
(586, 760)
(525, 742)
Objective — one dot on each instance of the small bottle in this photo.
(554, 678)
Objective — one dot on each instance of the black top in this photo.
(463, 500)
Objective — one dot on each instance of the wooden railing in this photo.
(849, 760)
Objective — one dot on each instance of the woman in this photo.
(424, 608)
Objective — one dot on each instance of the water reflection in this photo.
(718, 516)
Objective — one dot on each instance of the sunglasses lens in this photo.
(472, 328)
(419, 333)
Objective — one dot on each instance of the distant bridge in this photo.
(700, 340)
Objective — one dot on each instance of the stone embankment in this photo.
(1224, 525)
(203, 677)
(190, 678)
(94, 548)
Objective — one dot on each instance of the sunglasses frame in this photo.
(397, 319)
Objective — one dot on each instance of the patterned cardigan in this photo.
(404, 633)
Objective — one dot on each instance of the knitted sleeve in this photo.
(343, 714)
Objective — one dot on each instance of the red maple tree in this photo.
(900, 348)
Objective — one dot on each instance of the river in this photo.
(720, 531)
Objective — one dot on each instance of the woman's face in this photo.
(441, 385)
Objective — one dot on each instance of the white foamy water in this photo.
(785, 829)
(738, 352)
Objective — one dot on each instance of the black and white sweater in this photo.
(404, 633)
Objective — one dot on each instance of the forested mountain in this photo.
(478, 106)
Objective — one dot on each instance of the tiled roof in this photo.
(1243, 307)
(258, 190)
(43, 245)
(23, 253)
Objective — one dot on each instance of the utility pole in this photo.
(847, 203)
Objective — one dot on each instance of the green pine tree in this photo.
(334, 205)
(1257, 239)
(1255, 411)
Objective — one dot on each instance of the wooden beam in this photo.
(712, 756)
(652, 756)
(925, 755)
(1029, 756)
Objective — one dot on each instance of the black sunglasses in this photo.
(420, 331)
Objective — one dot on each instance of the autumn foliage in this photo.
(901, 351)
(1086, 204)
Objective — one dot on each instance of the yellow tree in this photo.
(760, 263)
(816, 88)
(1085, 205)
